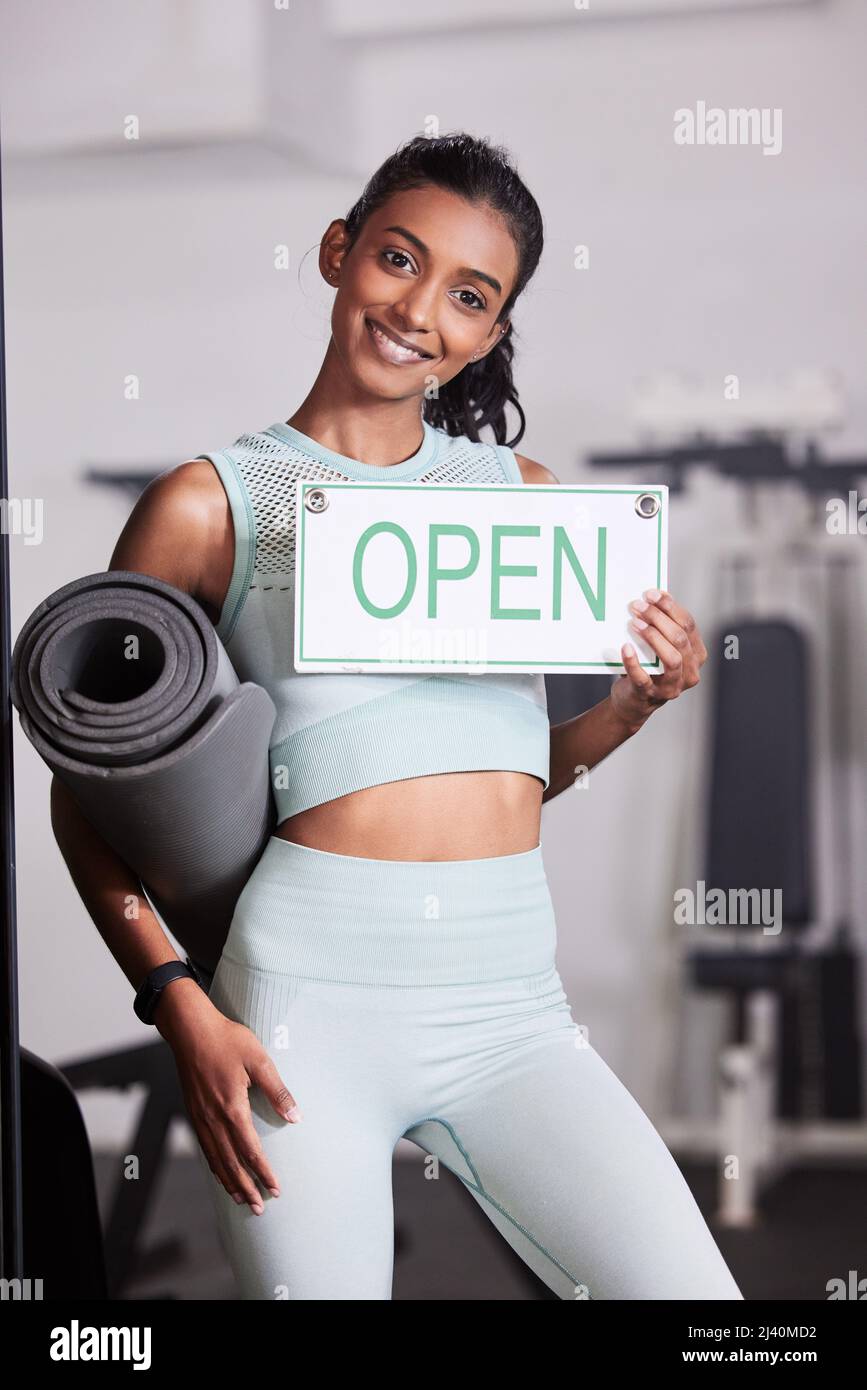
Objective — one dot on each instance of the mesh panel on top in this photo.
(271, 467)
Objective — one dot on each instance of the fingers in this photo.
(669, 654)
(239, 1121)
(634, 670)
(231, 1143)
(263, 1072)
(683, 651)
(216, 1095)
(247, 1146)
(665, 604)
(232, 1147)
(223, 1163)
(654, 616)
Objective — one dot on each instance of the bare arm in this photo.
(116, 902)
(672, 632)
(584, 741)
(180, 530)
(170, 534)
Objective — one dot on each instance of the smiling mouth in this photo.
(392, 349)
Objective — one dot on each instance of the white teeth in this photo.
(394, 351)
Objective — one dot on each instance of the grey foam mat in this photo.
(125, 690)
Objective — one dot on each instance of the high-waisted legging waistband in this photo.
(339, 917)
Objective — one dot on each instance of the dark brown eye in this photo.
(479, 304)
(395, 251)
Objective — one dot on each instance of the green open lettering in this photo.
(411, 566)
(435, 574)
(562, 545)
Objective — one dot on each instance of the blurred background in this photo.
(698, 318)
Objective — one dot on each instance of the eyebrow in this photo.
(462, 270)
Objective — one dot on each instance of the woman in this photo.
(389, 970)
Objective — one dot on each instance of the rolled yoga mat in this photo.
(125, 690)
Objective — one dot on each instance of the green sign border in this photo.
(462, 487)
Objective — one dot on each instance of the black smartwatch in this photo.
(148, 996)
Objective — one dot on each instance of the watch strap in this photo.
(147, 997)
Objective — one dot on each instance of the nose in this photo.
(415, 310)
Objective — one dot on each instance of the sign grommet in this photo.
(646, 504)
(315, 500)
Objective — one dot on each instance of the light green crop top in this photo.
(338, 733)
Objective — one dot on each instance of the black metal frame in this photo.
(11, 1206)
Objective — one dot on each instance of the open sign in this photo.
(467, 577)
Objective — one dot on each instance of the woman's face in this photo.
(420, 290)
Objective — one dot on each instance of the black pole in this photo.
(11, 1233)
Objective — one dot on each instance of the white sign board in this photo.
(468, 577)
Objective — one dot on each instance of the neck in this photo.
(351, 422)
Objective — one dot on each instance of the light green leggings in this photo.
(420, 999)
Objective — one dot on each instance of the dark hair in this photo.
(481, 173)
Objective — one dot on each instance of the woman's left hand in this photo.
(673, 634)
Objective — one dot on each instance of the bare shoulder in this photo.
(181, 530)
(533, 472)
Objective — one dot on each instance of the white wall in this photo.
(75, 70)
(713, 259)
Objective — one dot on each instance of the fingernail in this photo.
(628, 649)
(638, 622)
(275, 1191)
(294, 1114)
(257, 1208)
(639, 605)
(653, 594)
(236, 1196)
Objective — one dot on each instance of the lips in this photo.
(392, 348)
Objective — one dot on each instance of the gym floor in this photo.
(446, 1250)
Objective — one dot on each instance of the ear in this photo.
(498, 332)
(332, 249)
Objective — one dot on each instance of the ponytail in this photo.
(478, 396)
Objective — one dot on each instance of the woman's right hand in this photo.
(218, 1060)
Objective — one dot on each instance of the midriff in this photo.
(448, 815)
